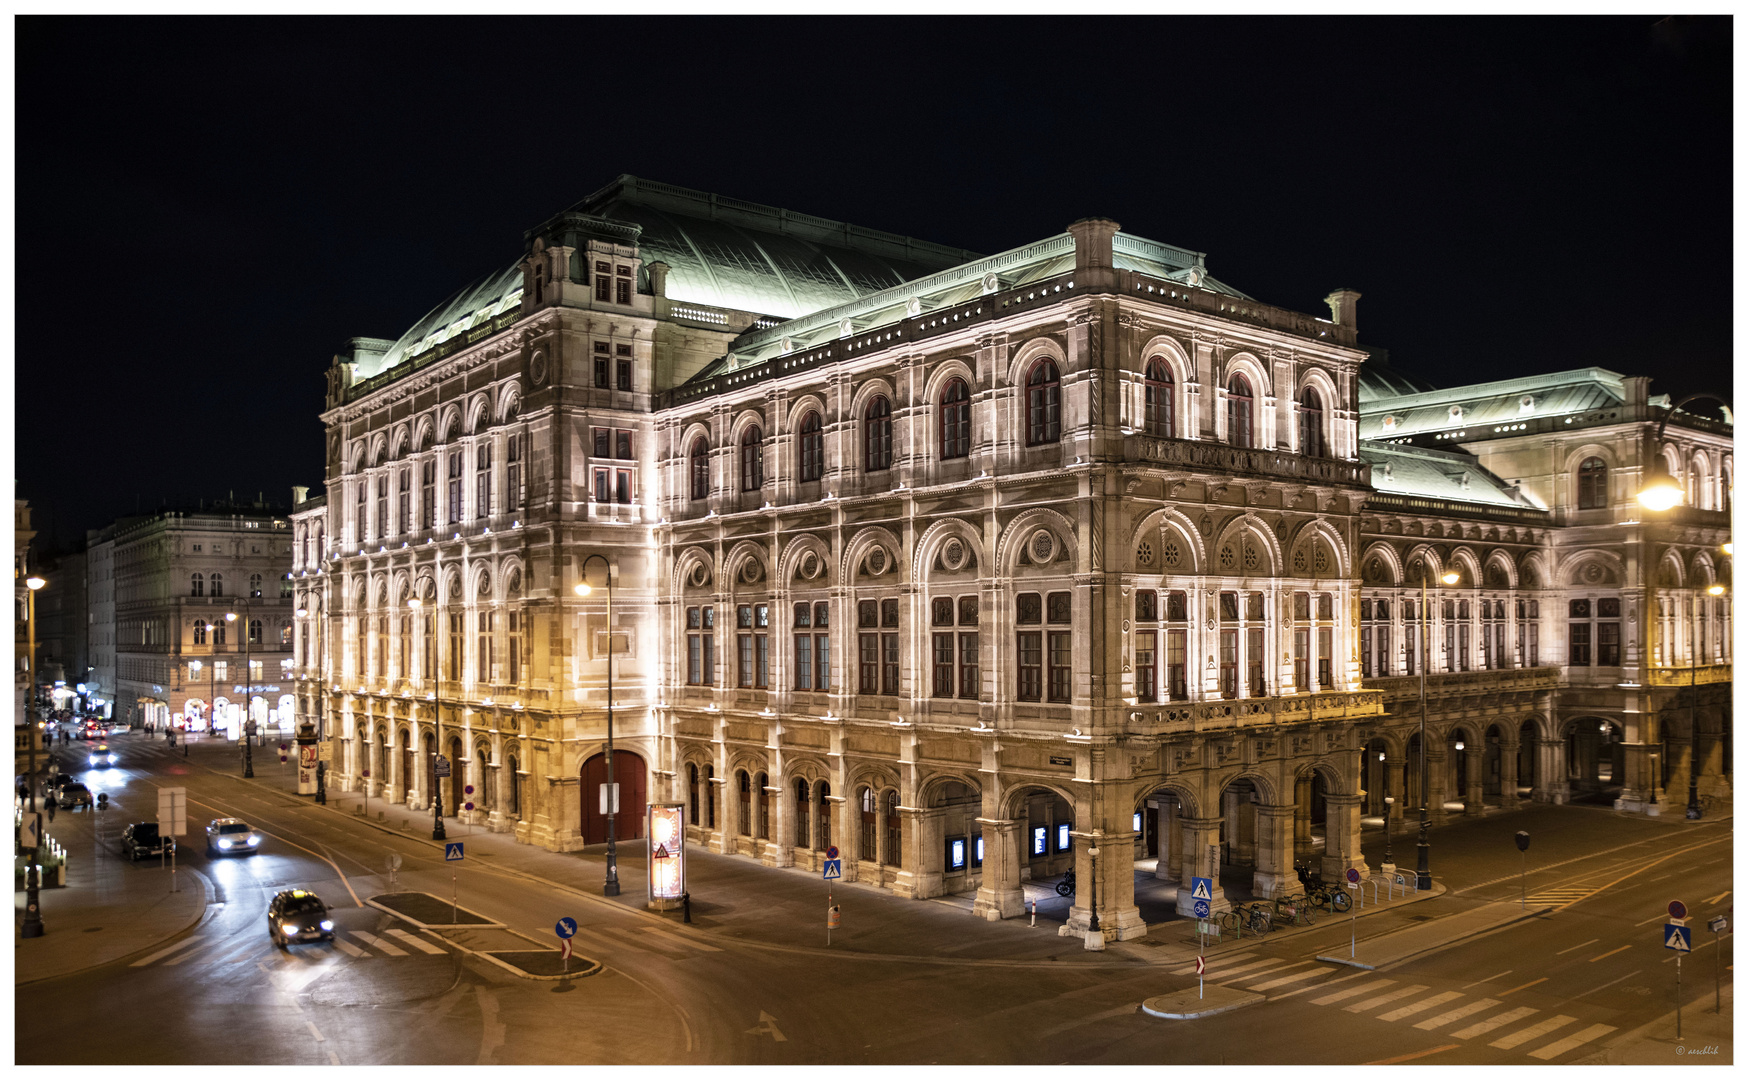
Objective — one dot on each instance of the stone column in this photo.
(1201, 855)
(1302, 818)
(1170, 864)
(1551, 775)
(1000, 895)
(1474, 803)
(1398, 790)
(1438, 781)
(1341, 848)
(925, 837)
(780, 800)
(1274, 852)
(1508, 775)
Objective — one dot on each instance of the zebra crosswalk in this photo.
(248, 948)
(1392, 1001)
(1564, 895)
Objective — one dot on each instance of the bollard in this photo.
(686, 907)
(1034, 904)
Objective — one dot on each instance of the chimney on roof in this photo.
(1636, 389)
(658, 278)
(1092, 243)
(1342, 303)
(299, 495)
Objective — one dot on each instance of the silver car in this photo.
(231, 836)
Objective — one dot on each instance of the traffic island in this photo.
(428, 912)
(544, 965)
(1192, 1004)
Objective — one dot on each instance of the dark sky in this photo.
(207, 208)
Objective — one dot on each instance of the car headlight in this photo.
(327, 924)
(224, 844)
(289, 929)
(253, 840)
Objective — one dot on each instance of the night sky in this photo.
(207, 208)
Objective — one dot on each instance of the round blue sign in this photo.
(1201, 909)
(566, 927)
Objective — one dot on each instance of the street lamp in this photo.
(437, 831)
(1694, 813)
(248, 692)
(32, 926)
(1423, 868)
(611, 886)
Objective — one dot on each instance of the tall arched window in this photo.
(1311, 442)
(255, 585)
(812, 448)
(877, 436)
(803, 804)
(1592, 484)
(752, 460)
(956, 420)
(700, 468)
(196, 585)
(894, 851)
(218, 584)
(1158, 417)
(200, 632)
(1043, 404)
(1238, 412)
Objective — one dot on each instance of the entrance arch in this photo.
(629, 773)
(1595, 759)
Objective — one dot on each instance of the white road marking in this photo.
(1489, 978)
(1523, 1035)
(1420, 1006)
(1239, 961)
(350, 949)
(1571, 1042)
(1343, 995)
(1325, 986)
(333, 1058)
(417, 942)
(1499, 1021)
(1655, 918)
(373, 940)
(767, 1026)
(1255, 967)
(1284, 980)
(1384, 999)
(1575, 948)
(316, 1031)
(669, 935)
(1606, 985)
(161, 953)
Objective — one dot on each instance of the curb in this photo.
(485, 925)
(208, 911)
(1156, 1006)
(595, 967)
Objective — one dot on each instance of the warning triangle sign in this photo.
(1676, 940)
(661, 852)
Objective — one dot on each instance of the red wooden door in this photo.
(628, 773)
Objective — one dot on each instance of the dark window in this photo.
(943, 664)
(602, 353)
(1592, 484)
(1030, 652)
(1311, 442)
(1238, 412)
(622, 445)
(752, 460)
(1146, 641)
(1043, 404)
(812, 448)
(1580, 645)
(603, 282)
(1158, 416)
(1060, 608)
(1177, 685)
(968, 681)
(956, 420)
(624, 291)
(1061, 664)
(1146, 606)
(602, 439)
(877, 436)
(454, 487)
(700, 469)
(1175, 606)
(1228, 663)
(1608, 644)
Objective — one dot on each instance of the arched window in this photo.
(218, 584)
(752, 460)
(1158, 416)
(869, 851)
(199, 632)
(254, 631)
(894, 843)
(255, 585)
(1592, 484)
(956, 420)
(1043, 404)
(745, 824)
(1311, 442)
(196, 585)
(692, 794)
(823, 818)
(812, 448)
(1238, 407)
(700, 469)
(877, 436)
(515, 788)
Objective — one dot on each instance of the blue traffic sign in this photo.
(566, 927)
(1201, 888)
(1679, 938)
(1201, 908)
(834, 868)
(452, 852)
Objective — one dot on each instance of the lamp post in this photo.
(437, 831)
(32, 926)
(1423, 866)
(1663, 493)
(248, 692)
(610, 887)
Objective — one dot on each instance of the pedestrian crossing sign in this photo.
(452, 853)
(834, 869)
(1679, 938)
(1201, 888)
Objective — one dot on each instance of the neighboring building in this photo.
(178, 577)
(100, 684)
(63, 628)
(22, 535)
(968, 564)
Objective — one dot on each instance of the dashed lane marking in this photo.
(1456, 1014)
(1571, 1042)
(1489, 978)
(1525, 986)
(1610, 953)
(1717, 898)
(1534, 1031)
(1416, 1054)
(1575, 948)
(1606, 985)
(1504, 1018)
(316, 1031)
(1419, 1006)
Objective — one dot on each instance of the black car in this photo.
(298, 915)
(75, 795)
(143, 838)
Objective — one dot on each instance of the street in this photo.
(905, 982)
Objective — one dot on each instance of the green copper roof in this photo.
(1482, 407)
(1438, 474)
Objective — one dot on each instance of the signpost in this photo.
(391, 863)
(566, 928)
(172, 821)
(1353, 912)
(1201, 968)
(834, 869)
(452, 853)
(1717, 926)
(1522, 839)
(1677, 936)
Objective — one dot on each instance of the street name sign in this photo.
(441, 766)
(1679, 938)
(834, 869)
(1718, 925)
(453, 853)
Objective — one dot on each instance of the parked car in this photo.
(231, 836)
(298, 915)
(143, 838)
(74, 794)
(101, 756)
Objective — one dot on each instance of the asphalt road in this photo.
(386, 993)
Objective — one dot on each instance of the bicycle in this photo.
(1261, 919)
(1296, 910)
(1332, 897)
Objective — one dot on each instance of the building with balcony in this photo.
(966, 565)
(201, 610)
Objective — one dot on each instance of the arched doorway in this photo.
(950, 841)
(1595, 760)
(629, 774)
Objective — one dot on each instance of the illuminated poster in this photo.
(667, 853)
